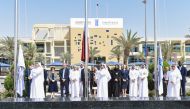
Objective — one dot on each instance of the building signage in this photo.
(97, 23)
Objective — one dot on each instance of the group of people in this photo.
(103, 81)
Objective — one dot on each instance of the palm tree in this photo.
(116, 52)
(127, 42)
(7, 48)
(30, 52)
(187, 36)
(141, 56)
(93, 53)
(167, 50)
(40, 57)
(66, 57)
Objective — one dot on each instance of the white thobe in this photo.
(173, 89)
(102, 77)
(37, 84)
(75, 87)
(143, 83)
(133, 75)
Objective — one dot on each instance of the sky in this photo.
(172, 16)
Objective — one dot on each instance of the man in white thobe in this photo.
(133, 75)
(102, 77)
(75, 80)
(174, 78)
(143, 82)
(37, 76)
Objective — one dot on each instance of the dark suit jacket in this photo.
(183, 73)
(82, 76)
(65, 76)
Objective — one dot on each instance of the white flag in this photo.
(20, 72)
(160, 72)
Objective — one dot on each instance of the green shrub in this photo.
(9, 83)
(150, 82)
(188, 93)
(151, 93)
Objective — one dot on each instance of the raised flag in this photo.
(20, 72)
(160, 72)
(83, 47)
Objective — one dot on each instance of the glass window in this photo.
(48, 47)
(176, 47)
(187, 47)
(150, 47)
(135, 49)
(111, 42)
(40, 47)
(58, 51)
(68, 42)
(107, 31)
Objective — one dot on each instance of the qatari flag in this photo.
(83, 48)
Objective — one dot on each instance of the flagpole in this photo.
(15, 45)
(155, 53)
(145, 30)
(86, 49)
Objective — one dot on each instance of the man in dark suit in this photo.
(64, 80)
(28, 81)
(45, 79)
(83, 78)
(183, 71)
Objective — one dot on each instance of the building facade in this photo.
(101, 31)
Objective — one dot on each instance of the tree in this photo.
(167, 50)
(127, 42)
(66, 57)
(30, 52)
(7, 48)
(93, 53)
(141, 56)
(116, 52)
(40, 58)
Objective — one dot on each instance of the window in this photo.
(107, 31)
(150, 47)
(111, 42)
(176, 47)
(48, 47)
(40, 47)
(58, 50)
(115, 33)
(108, 36)
(99, 36)
(95, 36)
(68, 42)
(94, 42)
(79, 34)
(135, 49)
(187, 47)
